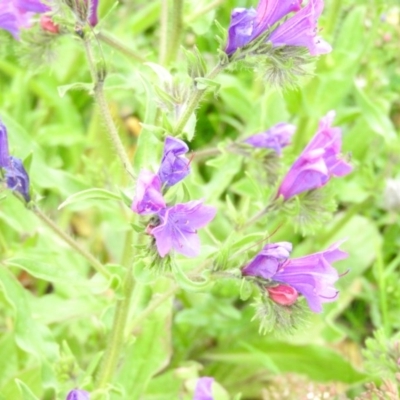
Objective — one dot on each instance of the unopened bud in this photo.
(48, 25)
(283, 294)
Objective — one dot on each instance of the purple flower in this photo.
(274, 138)
(78, 394)
(178, 227)
(318, 162)
(174, 165)
(203, 389)
(312, 275)
(299, 30)
(92, 18)
(16, 176)
(148, 198)
(16, 14)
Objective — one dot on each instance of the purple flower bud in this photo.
(4, 152)
(178, 227)
(174, 166)
(92, 14)
(318, 162)
(283, 294)
(78, 394)
(299, 30)
(203, 389)
(148, 198)
(16, 176)
(312, 275)
(274, 138)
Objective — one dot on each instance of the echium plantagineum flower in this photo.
(312, 275)
(17, 14)
(299, 30)
(203, 390)
(78, 394)
(318, 162)
(275, 138)
(16, 177)
(173, 227)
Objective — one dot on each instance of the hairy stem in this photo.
(98, 76)
(119, 46)
(116, 339)
(96, 264)
(194, 101)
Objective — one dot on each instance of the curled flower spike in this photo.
(148, 198)
(275, 138)
(299, 30)
(174, 165)
(318, 162)
(16, 177)
(312, 275)
(178, 227)
(78, 394)
(17, 14)
(203, 390)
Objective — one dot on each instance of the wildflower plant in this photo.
(156, 205)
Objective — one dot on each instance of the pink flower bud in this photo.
(48, 25)
(283, 295)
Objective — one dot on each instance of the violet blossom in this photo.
(318, 162)
(299, 30)
(78, 394)
(174, 165)
(17, 14)
(274, 138)
(311, 275)
(178, 227)
(203, 390)
(148, 197)
(16, 177)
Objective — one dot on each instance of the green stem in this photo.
(164, 31)
(96, 264)
(176, 30)
(117, 45)
(116, 339)
(194, 101)
(98, 76)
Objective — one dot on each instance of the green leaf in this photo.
(25, 391)
(62, 90)
(90, 194)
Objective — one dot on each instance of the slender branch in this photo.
(176, 30)
(96, 264)
(164, 31)
(116, 339)
(121, 47)
(194, 101)
(98, 77)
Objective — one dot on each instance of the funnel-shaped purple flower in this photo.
(148, 198)
(312, 275)
(318, 162)
(203, 390)
(299, 30)
(174, 165)
(178, 227)
(16, 176)
(274, 138)
(78, 394)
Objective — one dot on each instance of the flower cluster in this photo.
(176, 226)
(318, 162)
(300, 30)
(284, 279)
(16, 177)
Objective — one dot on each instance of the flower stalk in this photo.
(98, 77)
